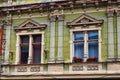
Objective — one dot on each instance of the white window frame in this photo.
(18, 46)
(90, 28)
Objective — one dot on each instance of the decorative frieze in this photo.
(92, 67)
(77, 68)
(34, 69)
(21, 69)
(28, 69)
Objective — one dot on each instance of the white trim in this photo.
(30, 55)
(71, 45)
(18, 42)
(17, 50)
(85, 47)
(85, 43)
(91, 29)
(42, 49)
(30, 33)
(100, 47)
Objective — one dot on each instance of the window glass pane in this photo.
(92, 49)
(79, 50)
(24, 54)
(24, 39)
(37, 38)
(78, 35)
(36, 54)
(92, 35)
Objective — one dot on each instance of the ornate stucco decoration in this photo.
(56, 15)
(30, 25)
(110, 12)
(118, 12)
(84, 20)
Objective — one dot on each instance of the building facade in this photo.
(60, 39)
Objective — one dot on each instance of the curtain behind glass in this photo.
(79, 44)
(92, 35)
(93, 49)
(92, 44)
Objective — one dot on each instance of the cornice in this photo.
(65, 4)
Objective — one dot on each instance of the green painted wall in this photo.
(66, 35)
(97, 15)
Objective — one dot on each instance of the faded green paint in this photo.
(115, 36)
(56, 40)
(47, 44)
(16, 22)
(66, 35)
(104, 52)
(97, 15)
(104, 34)
(66, 44)
(12, 46)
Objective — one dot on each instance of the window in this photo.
(33, 41)
(86, 45)
(85, 38)
(29, 42)
(24, 46)
(36, 48)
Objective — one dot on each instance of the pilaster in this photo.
(60, 38)
(110, 14)
(52, 20)
(118, 33)
(7, 46)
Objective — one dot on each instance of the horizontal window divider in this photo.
(24, 44)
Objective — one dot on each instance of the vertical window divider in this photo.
(30, 49)
(85, 46)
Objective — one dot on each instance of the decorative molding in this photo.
(56, 15)
(118, 12)
(52, 18)
(110, 13)
(84, 20)
(30, 25)
(60, 17)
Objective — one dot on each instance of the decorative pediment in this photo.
(84, 20)
(30, 25)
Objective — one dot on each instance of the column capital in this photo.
(118, 13)
(110, 13)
